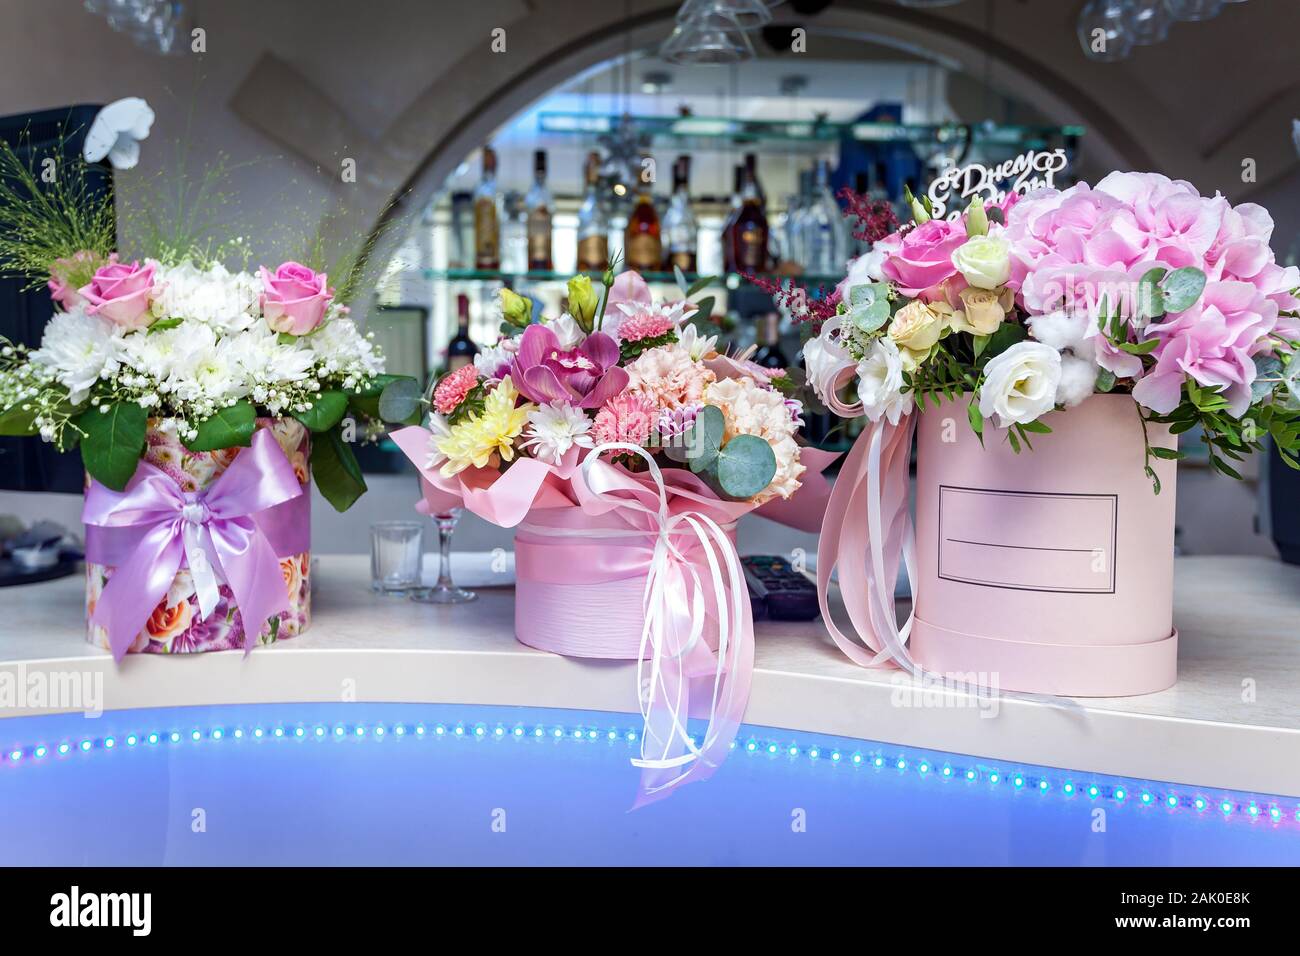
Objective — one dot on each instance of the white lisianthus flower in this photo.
(1020, 384)
(697, 346)
(984, 261)
(567, 330)
(79, 349)
(880, 382)
(555, 428)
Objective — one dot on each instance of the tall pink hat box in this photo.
(1050, 570)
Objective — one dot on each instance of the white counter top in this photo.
(1232, 721)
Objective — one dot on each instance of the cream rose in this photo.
(1020, 384)
(918, 325)
(880, 382)
(984, 261)
(982, 310)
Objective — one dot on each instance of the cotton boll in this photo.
(1059, 329)
(1078, 380)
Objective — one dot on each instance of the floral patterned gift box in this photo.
(176, 626)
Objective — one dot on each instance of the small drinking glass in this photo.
(445, 591)
(396, 551)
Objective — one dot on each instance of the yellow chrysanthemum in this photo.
(483, 436)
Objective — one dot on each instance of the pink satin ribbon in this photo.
(152, 528)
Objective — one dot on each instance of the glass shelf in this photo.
(683, 128)
(730, 280)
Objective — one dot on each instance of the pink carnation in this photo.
(644, 325)
(624, 418)
(451, 391)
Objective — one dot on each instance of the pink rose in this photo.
(922, 261)
(295, 298)
(120, 293)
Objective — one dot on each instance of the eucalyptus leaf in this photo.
(228, 427)
(400, 401)
(1105, 380)
(1182, 288)
(704, 440)
(113, 442)
(1268, 368)
(325, 412)
(1151, 300)
(704, 309)
(746, 465)
(335, 470)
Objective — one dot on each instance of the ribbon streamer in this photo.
(681, 594)
(154, 528)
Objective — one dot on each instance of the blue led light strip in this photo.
(1172, 799)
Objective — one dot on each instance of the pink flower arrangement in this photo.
(586, 376)
(451, 391)
(121, 293)
(294, 298)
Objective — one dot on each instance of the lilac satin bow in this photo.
(214, 532)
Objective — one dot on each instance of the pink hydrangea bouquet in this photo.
(1093, 326)
(624, 446)
(1137, 285)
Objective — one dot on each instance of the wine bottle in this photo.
(461, 349)
(487, 227)
(539, 205)
(769, 354)
(680, 228)
(749, 232)
(641, 239)
(593, 222)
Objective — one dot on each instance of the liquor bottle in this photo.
(680, 228)
(461, 349)
(769, 354)
(826, 233)
(593, 223)
(487, 226)
(641, 243)
(538, 202)
(749, 232)
(729, 224)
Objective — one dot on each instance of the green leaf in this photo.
(1015, 442)
(1168, 454)
(1224, 467)
(976, 419)
(335, 470)
(981, 343)
(1140, 348)
(704, 440)
(1182, 288)
(700, 284)
(746, 465)
(1037, 427)
(113, 442)
(15, 421)
(163, 325)
(326, 412)
(704, 309)
(1004, 336)
(1151, 301)
(227, 428)
(400, 401)
(1105, 380)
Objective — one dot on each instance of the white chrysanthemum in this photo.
(492, 358)
(79, 349)
(697, 346)
(339, 341)
(750, 409)
(265, 360)
(228, 301)
(553, 429)
(204, 368)
(439, 429)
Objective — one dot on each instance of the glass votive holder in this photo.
(396, 553)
